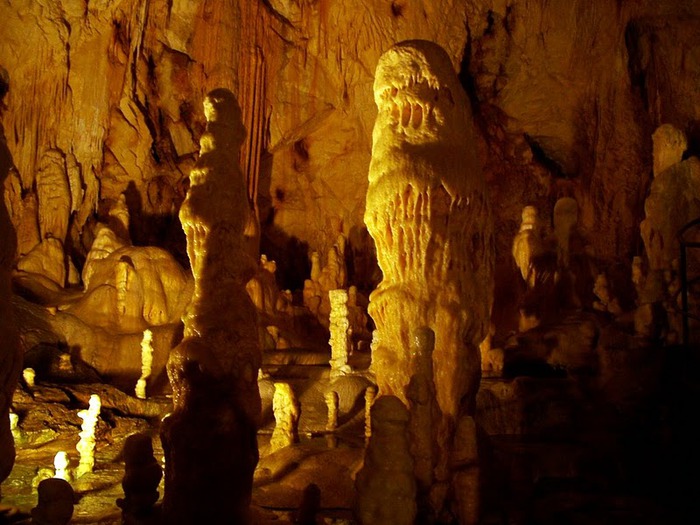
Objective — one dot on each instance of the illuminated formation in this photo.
(146, 363)
(527, 245)
(674, 197)
(86, 444)
(60, 465)
(286, 409)
(14, 422)
(29, 376)
(209, 439)
(430, 219)
(54, 199)
(332, 276)
(370, 396)
(331, 399)
(339, 327)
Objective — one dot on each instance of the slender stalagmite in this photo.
(210, 438)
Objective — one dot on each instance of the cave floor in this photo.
(556, 452)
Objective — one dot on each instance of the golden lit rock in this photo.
(429, 215)
(286, 409)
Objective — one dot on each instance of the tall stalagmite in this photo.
(10, 353)
(210, 439)
(430, 219)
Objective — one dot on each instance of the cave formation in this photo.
(384, 261)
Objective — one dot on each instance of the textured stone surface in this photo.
(10, 353)
(429, 214)
(209, 438)
(112, 102)
(103, 97)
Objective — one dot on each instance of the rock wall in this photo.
(565, 93)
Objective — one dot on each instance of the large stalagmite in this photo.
(428, 214)
(10, 353)
(210, 439)
(674, 197)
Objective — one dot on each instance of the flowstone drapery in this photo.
(430, 219)
(210, 438)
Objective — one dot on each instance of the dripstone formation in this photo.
(210, 438)
(430, 219)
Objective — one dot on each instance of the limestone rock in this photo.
(47, 261)
(10, 352)
(527, 245)
(674, 199)
(386, 489)
(429, 215)
(128, 288)
(54, 194)
(209, 438)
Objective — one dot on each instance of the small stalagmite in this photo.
(339, 326)
(86, 444)
(386, 488)
(146, 363)
(60, 465)
(286, 409)
(527, 245)
(209, 439)
(370, 396)
(332, 400)
(429, 215)
(29, 376)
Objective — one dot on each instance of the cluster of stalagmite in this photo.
(324, 278)
(429, 216)
(210, 438)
